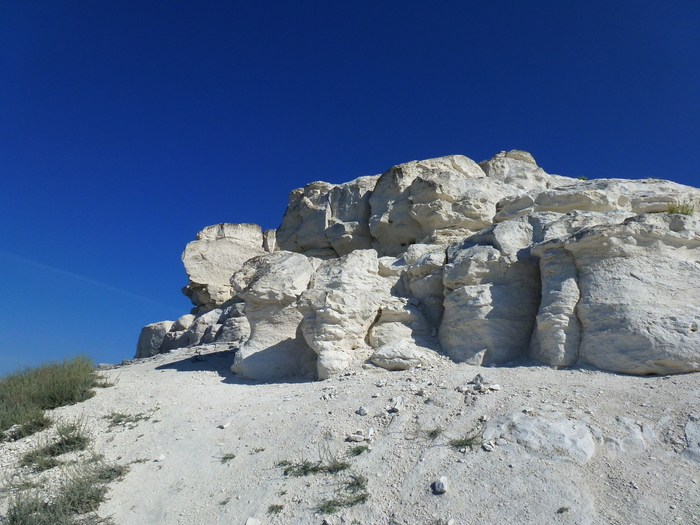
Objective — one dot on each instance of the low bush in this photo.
(682, 208)
(71, 438)
(26, 394)
(81, 491)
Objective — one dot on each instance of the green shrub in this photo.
(682, 208)
(81, 491)
(26, 394)
(471, 440)
(71, 438)
(357, 450)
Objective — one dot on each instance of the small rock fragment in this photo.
(397, 404)
(440, 486)
(225, 423)
(362, 411)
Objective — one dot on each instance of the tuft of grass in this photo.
(274, 509)
(81, 491)
(582, 177)
(306, 467)
(356, 483)
(303, 468)
(357, 450)
(228, 457)
(333, 505)
(106, 473)
(71, 438)
(434, 433)
(472, 439)
(682, 208)
(24, 395)
(335, 465)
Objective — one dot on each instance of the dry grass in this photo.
(26, 394)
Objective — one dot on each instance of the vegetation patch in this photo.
(81, 491)
(682, 208)
(274, 509)
(227, 457)
(306, 467)
(471, 440)
(26, 394)
(71, 438)
(357, 450)
(353, 492)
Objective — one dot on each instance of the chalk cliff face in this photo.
(483, 263)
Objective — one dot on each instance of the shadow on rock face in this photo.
(219, 362)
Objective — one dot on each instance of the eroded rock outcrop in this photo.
(638, 309)
(270, 286)
(339, 308)
(216, 254)
(484, 263)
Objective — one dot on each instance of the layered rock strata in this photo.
(483, 263)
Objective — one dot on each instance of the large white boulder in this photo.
(492, 292)
(403, 354)
(216, 254)
(327, 220)
(639, 308)
(270, 286)
(396, 222)
(151, 338)
(339, 308)
(400, 318)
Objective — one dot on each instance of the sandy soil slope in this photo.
(580, 447)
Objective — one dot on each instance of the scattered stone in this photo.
(397, 405)
(360, 435)
(440, 486)
(489, 446)
(362, 411)
(225, 423)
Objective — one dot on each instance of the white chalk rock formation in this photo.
(400, 318)
(211, 260)
(422, 279)
(492, 292)
(635, 196)
(638, 309)
(270, 286)
(499, 260)
(327, 220)
(339, 308)
(422, 199)
(151, 338)
(403, 354)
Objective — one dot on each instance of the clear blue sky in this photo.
(126, 127)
